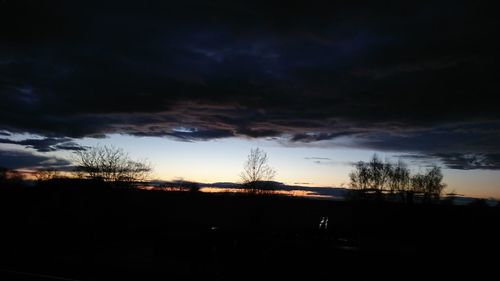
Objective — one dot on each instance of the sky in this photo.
(194, 85)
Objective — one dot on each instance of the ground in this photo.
(97, 232)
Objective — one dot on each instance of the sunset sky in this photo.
(194, 85)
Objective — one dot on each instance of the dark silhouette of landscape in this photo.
(249, 140)
(89, 229)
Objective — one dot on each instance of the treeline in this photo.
(10, 177)
(381, 179)
(107, 164)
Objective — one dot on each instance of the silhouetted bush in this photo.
(110, 164)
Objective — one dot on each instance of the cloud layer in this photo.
(22, 159)
(395, 77)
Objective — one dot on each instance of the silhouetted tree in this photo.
(382, 177)
(434, 186)
(429, 184)
(46, 174)
(371, 176)
(256, 170)
(417, 184)
(399, 179)
(112, 164)
(360, 177)
(379, 173)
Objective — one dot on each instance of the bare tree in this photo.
(371, 176)
(360, 177)
(382, 177)
(399, 178)
(379, 173)
(112, 164)
(434, 185)
(429, 184)
(256, 169)
(418, 183)
(46, 174)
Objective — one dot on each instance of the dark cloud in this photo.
(461, 137)
(186, 134)
(313, 137)
(459, 161)
(14, 159)
(470, 161)
(46, 144)
(403, 76)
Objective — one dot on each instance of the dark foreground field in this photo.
(82, 232)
